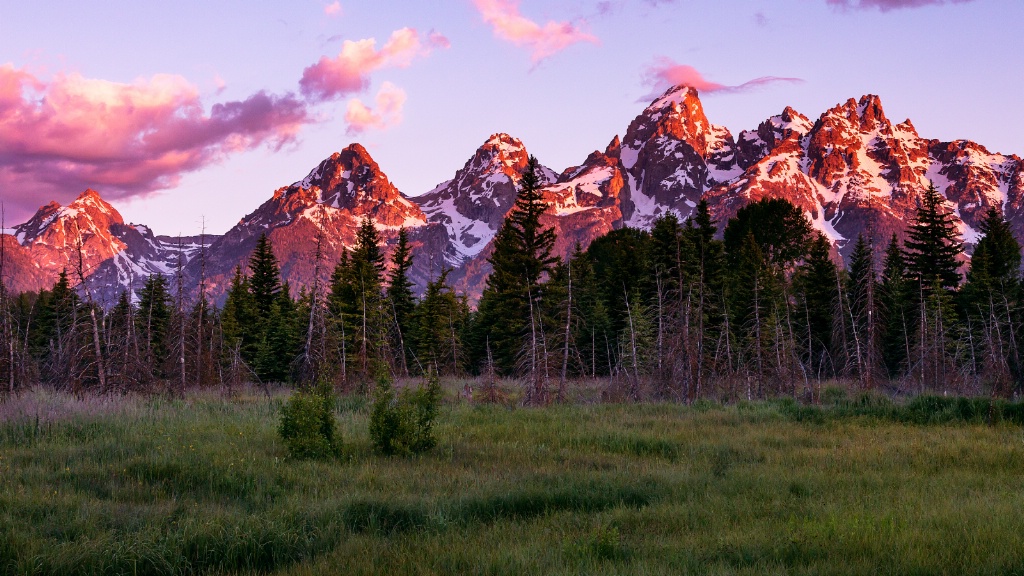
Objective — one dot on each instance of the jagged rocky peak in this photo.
(500, 153)
(679, 115)
(614, 148)
(353, 182)
(89, 214)
(864, 115)
(344, 174)
(753, 145)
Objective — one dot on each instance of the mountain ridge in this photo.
(851, 170)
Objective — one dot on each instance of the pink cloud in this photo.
(60, 136)
(542, 41)
(665, 73)
(886, 5)
(333, 9)
(349, 72)
(389, 102)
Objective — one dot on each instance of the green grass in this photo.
(203, 485)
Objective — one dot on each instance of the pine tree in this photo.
(60, 333)
(861, 302)
(592, 334)
(508, 312)
(991, 302)
(780, 229)
(153, 320)
(896, 310)
(997, 257)
(357, 307)
(400, 298)
(438, 323)
(707, 273)
(933, 244)
(264, 279)
(818, 304)
(340, 324)
(280, 343)
(239, 327)
(122, 360)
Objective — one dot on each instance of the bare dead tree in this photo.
(7, 339)
(180, 307)
(201, 305)
(101, 372)
(635, 385)
(312, 356)
(567, 335)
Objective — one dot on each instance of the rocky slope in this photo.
(330, 202)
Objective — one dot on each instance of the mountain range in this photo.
(852, 171)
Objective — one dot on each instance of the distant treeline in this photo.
(673, 313)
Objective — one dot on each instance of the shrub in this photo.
(307, 424)
(404, 423)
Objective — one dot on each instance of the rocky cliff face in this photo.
(855, 172)
(330, 203)
(472, 205)
(852, 171)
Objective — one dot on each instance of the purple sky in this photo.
(182, 111)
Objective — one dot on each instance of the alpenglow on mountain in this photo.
(852, 171)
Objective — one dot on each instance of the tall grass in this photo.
(202, 485)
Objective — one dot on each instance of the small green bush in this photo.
(403, 424)
(307, 424)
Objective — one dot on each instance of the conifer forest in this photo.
(677, 313)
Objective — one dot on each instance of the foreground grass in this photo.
(149, 485)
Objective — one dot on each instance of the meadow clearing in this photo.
(151, 485)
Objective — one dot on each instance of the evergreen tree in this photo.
(357, 306)
(400, 297)
(997, 257)
(153, 320)
(265, 278)
(239, 325)
(438, 322)
(280, 343)
(592, 335)
(707, 273)
(122, 364)
(933, 244)
(60, 333)
(621, 260)
(340, 305)
(508, 314)
(817, 282)
(991, 302)
(780, 229)
(861, 305)
(896, 309)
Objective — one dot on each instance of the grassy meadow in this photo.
(150, 485)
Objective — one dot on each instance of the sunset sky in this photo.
(182, 111)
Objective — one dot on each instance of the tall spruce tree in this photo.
(816, 282)
(933, 244)
(861, 304)
(154, 322)
(896, 310)
(264, 279)
(437, 326)
(400, 299)
(239, 326)
(357, 294)
(991, 303)
(508, 314)
(707, 273)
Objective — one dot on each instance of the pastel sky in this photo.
(187, 112)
